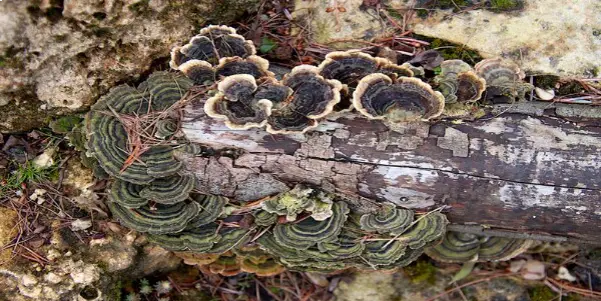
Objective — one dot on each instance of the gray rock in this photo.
(547, 36)
(55, 60)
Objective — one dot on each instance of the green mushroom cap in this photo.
(170, 190)
(309, 232)
(211, 208)
(108, 137)
(265, 219)
(388, 219)
(196, 240)
(466, 247)
(162, 219)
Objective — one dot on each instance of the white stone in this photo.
(28, 280)
(81, 224)
(544, 94)
(45, 159)
(564, 274)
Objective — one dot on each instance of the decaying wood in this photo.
(535, 175)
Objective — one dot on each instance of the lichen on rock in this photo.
(60, 58)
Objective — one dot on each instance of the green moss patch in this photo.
(450, 50)
(421, 272)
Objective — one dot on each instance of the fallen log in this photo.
(533, 174)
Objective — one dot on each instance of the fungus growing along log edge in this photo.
(319, 229)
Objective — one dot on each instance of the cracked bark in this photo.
(527, 173)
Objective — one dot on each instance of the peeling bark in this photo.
(515, 172)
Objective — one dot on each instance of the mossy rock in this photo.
(421, 272)
(506, 5)
(450, 50)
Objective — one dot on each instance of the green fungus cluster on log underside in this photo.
(133, 134)
(466, 247)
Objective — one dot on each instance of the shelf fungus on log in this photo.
(265, 219)
(313, 97)
(389, 219)
(349, 67)
(251, 65)
(160, 219)
(211, 208)
(466, 247)
(211, 44)
(384, 252)
(309, 232)
(108, 137)
(199, 239)
(127, 194)
(217, 51)
(347, 245)
(458, 82)
(407, 99)
(298, 200)
(237, 104)
(165, 128)
(504, 80)
(169, 190)
(225, 264)
(254, 260)
(426, 230)
(230, 238)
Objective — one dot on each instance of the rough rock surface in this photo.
(84, 271)
(336, 21)
(59, 56)
(8, 230)
(423, 281)
(541, 38)
(547, 36)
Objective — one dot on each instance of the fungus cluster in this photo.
(504, 80)
(458, 82)
(387, 239)
(133, 134)
(466, 247)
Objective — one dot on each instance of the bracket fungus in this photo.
(108, 137)
(404, 100)
(299, 199)
(210, 45)
(504, 80)
(160, 219)
(169, 190)
(265, 219)
(252, 65)
(217, 51)
(211, 208)
(200, 239)
(466, 247)
(235, 102)
(313, 97)
(349, 67)
(459, 83)
(388, 219)
(304, 228)
(309, 232)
